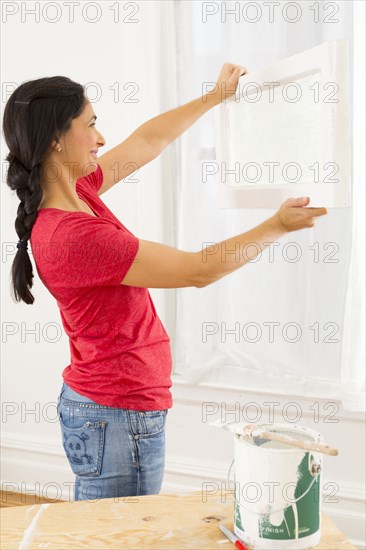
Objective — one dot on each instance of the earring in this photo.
(59, 149)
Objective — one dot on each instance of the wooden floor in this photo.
(8, 499)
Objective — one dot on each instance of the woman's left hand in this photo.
(227, 81)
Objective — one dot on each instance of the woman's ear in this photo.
(55, 145)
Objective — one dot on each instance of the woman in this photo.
(116, 391)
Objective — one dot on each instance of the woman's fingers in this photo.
(317, 211)
(294, 214)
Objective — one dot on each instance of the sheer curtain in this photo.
(290, 321)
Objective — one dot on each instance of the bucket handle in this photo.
(279, 509)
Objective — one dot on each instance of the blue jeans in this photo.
(113, 452)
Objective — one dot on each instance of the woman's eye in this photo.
(93, 124)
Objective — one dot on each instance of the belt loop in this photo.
(62, 389)
(59, 398)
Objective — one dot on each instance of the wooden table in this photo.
(176, 521)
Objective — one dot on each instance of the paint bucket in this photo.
(277, 491)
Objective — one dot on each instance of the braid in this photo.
(30, 196)
(26, 183)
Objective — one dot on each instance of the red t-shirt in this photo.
(120, 351)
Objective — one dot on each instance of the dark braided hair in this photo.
(36, 113)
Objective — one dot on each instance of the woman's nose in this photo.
(101, 140)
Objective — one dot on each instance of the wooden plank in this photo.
(178, 521)
(332, 537)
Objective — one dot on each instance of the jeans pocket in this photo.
(147, 423)
(84, 446)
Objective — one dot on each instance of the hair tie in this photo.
(22, 244)
(23, 102)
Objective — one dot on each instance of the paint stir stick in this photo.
(261, 436)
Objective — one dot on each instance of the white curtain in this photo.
(353, 356)
(291, 321)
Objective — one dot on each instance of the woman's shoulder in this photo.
(53, 223)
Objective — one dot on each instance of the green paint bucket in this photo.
(277, 491)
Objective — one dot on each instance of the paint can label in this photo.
(298, 520)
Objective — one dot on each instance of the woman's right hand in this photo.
(292, 215)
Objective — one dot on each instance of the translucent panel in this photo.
(286, 132)
(275, 133)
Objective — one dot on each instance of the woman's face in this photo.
(80, 144)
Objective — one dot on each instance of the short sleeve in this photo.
(93, 180)
(88, 252)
